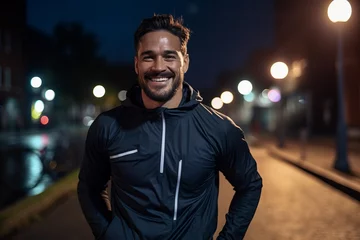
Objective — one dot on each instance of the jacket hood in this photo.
(190, 99)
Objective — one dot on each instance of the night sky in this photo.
(224, 32)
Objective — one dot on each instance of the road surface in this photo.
(294, 206)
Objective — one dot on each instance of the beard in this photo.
(161, 94)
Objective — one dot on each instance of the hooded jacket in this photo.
(164, 168)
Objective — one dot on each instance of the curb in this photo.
(22, 213)
(346, 185)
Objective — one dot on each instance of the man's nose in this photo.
(159, 65)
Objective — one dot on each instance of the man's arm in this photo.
(239, 168)
(93, 178)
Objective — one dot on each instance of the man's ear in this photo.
(186, 62)
(136, 65)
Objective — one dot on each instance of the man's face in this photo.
(160, 65)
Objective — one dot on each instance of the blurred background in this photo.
(287, 72)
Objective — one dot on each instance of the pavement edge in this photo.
(22, 213)
(343, 183)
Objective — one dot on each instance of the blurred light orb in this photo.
(245, 87)
(39, 106)
(44, 120)
(87, 121)
(99, 91)
(274, 95)
(339, 11)
(249, 97)
(217, 103)
(264, 93)
(279, 70)
(227, 97)
(49, 95)
(35, 82)
(122, 95)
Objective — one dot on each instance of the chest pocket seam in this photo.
(123, 154)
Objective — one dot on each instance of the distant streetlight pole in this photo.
(339, 11)
(280, 70)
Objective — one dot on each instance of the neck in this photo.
(174, 102)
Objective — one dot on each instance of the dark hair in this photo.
(163, 22)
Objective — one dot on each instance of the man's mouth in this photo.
(158, 79)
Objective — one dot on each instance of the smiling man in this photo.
(163, 151)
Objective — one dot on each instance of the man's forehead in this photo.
(160, 38)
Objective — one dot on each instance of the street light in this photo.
(280, 70)
(339, 11)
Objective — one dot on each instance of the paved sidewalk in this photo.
(317, 157)
(66, 221)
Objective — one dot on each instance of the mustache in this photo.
(158, 74)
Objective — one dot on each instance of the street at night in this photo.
(160, 97)
(293, 206)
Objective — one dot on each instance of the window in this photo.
(7, 78)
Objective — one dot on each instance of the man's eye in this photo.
(147, 58)
(170, 57)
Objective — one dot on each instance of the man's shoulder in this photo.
(216, 117)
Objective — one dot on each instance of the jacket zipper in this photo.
(162, 158)
(177, 190)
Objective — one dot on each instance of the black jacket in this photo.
(164, 167)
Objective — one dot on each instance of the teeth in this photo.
(159, 79)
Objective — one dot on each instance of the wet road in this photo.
(31, 162)
(294, 206)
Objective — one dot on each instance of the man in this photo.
(163, 150)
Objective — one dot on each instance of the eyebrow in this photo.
(149, 52)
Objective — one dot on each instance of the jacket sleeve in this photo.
(93, 178)
(239, 168)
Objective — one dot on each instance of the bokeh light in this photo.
(217, 103)
(44, 120)
(227, 97)
(39, 106)
(36, 82)
(274, 95)
(99, 91)
(122, 95)
(49, 95)
(279, 70)
(245, 87)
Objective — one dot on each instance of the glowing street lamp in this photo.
(339, 11)
(280, 70)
